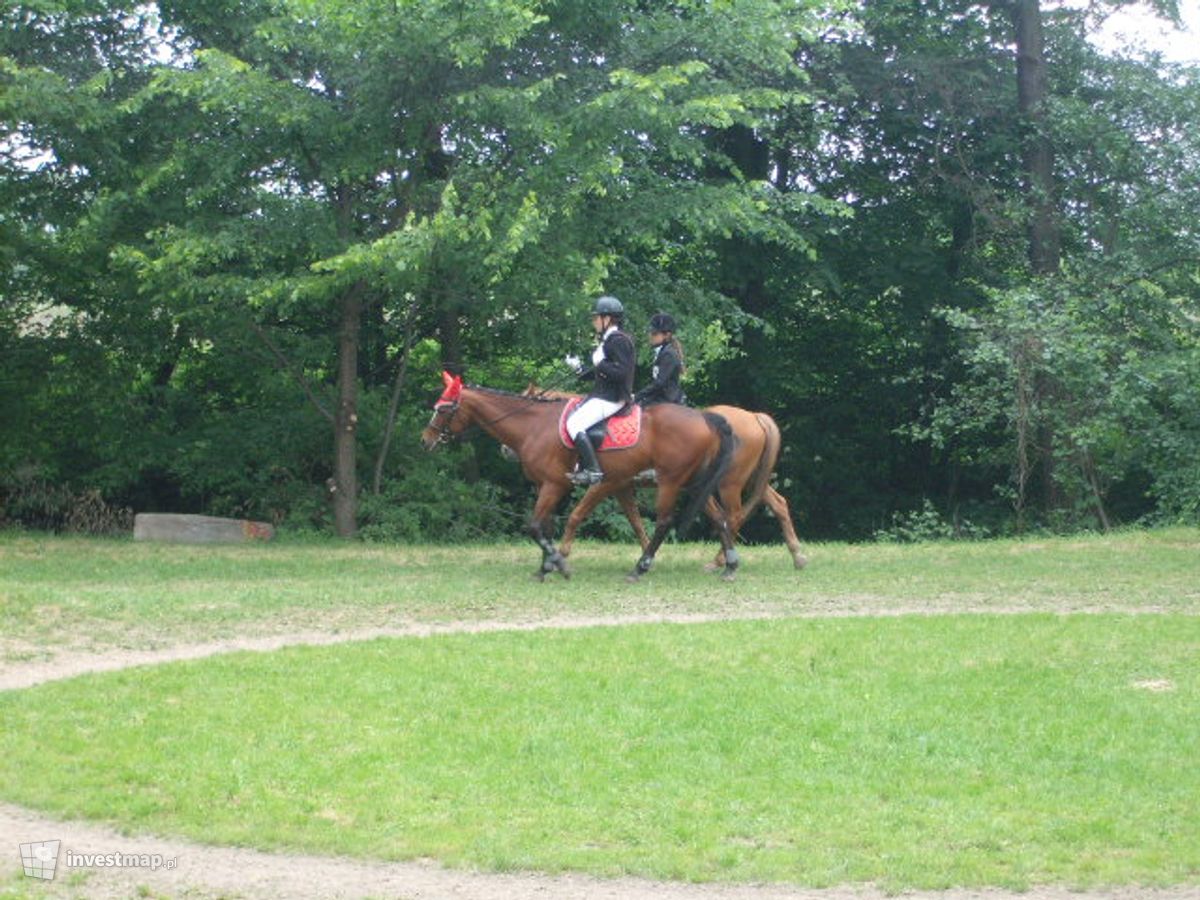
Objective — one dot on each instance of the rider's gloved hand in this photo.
(573, 363)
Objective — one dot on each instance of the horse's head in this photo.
(445, 422)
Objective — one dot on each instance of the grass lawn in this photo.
(909, 751)
(95, 594)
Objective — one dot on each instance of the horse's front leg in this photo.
(549, 494)
(582, 510)
(628, 500)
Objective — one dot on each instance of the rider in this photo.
(668, 364)
(613, 363)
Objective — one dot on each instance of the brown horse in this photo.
(684, 447)
(759, 443)
(746, 483)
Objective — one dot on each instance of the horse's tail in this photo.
(705, 484)
(760, 479)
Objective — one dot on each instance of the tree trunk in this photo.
(1037, 154)
(345, 438)
(1023, 363)
(1045, 235)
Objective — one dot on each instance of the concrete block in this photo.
(187, 529)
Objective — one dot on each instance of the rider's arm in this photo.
(618, 358)
(666, 368)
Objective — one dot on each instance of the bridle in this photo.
(444, 434)
(447, 406)
(446, 410)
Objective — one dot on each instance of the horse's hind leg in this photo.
(731, 511)
(665, 515)
(726, 516)
(779, 506)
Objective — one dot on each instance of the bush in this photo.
(27, 500)
(927, 524)
(417, 508)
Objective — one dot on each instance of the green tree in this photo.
(235, 232)
(1090, 369)
(466, 170)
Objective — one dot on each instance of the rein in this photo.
(444, 433)
(554, 385)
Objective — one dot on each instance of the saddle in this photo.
(619, 431)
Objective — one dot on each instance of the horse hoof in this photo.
(799, 561)
(728, 574)
(539, 576)
(633, 578)
(713, 567)
(556, 562)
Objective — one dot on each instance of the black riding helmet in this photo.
(609, 306)
(662, 323)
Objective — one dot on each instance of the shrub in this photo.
(927, 524)
(30, 501)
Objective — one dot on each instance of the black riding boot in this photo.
(589, 467)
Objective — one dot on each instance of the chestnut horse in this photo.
(759, 443)
(686, 448)
(745, 485)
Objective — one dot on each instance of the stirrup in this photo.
(583, 477)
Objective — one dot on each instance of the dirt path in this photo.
(198, 872)
(67, 662)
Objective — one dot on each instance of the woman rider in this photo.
(613, 363)
(667, 370)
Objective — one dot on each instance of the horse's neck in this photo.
(509, 419)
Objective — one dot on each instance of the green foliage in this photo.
(1099, 379)
(423, 506)
(927, 524)
(830, 198)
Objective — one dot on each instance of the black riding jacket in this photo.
(614, 373)
(666, 372)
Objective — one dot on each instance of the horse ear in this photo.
(453, 389)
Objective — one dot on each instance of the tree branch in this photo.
(389, 428)
(296, 374)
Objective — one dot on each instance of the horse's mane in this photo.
(499, 392)
(546, 394)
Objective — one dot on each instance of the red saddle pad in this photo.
(623, 429)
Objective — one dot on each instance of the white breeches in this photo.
(588, 413)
